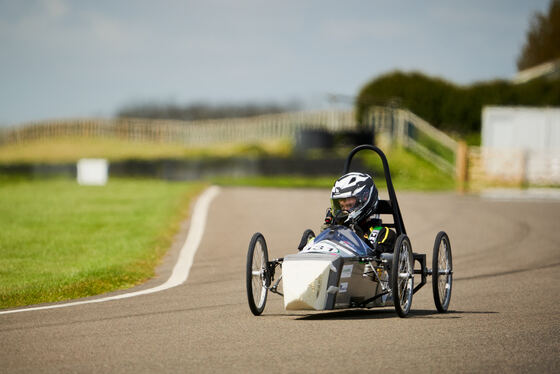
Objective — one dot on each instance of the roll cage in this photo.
(390, 206)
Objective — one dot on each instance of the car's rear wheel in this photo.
(442, 272)
(257, 279)
(402, 276)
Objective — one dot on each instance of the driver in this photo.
(354, 200)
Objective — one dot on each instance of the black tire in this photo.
(442, 272)
(305, 238)
(402, 276)
(256, 274)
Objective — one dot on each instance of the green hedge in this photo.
(452, 107)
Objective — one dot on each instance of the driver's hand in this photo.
(328, 217)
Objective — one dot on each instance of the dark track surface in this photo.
(503, 314)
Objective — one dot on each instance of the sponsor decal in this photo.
(343, 287)
(323, 247)
(347, 271)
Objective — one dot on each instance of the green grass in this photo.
(61, 240)
(411, 172)
(71, 149)
(436, 147)
(408, 172)
(473, 139)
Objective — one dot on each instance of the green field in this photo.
(408, 172)
(60, 240)
(71, 149)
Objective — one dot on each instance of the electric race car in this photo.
(337, 269)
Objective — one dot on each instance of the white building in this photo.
(521, 143)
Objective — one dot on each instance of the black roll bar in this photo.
(394, 205)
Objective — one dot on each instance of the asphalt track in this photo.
(503, 315)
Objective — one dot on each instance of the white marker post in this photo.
(93, 171)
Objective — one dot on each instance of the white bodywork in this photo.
(305, 284)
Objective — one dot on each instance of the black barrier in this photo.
(194, 169)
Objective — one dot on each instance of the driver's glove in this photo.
(328, 220)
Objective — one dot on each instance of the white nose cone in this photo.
(305, 284)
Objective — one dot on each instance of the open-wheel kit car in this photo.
(337, 269)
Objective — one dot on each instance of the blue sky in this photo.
(64, 58)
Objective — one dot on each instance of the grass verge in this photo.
(408, 172)
(71, 149)
(61, 240)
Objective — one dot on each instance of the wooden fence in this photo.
(204, 132)
(412, 132)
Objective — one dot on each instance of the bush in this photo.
(451, 107)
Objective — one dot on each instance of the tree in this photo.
(451, 107)
(543, 38)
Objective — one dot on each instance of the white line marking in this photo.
(182, 267)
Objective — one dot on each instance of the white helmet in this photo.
(359, 186)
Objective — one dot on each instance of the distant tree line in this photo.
(543, 38)
(451, 107)
(198, 111)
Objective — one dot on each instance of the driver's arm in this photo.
(385, 240)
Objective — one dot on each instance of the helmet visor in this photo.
(346, 204)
